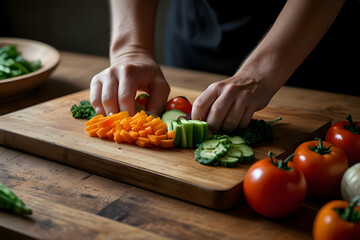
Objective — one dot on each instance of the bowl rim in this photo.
(41, 70)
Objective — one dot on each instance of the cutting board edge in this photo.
(214, 198)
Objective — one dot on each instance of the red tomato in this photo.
(274, 190)
(142, 99)
(346, 135)
(329, 224)
(180, 103)
(323, 166)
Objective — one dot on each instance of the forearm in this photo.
(132, 27)
(295, 33)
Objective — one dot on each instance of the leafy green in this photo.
(83, 110)
(12, 64)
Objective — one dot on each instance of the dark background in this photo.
(81, 26)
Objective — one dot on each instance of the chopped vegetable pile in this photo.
(224, 150)
(142, 129)
(83, 110)
(12, 64)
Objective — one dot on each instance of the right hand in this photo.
(114, 89)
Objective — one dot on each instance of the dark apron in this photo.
(216, 36)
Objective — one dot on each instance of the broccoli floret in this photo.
(258, 131)
(83, 110)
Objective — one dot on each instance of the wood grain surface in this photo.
(48, 130)
(58, 193)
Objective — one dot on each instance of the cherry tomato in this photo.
(323, 166)
(346, 135)
(142, 99)
(333, 223)
(274, 188)
(180, 103)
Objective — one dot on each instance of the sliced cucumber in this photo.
(178, 128)
(169, 126)
(198, 132)
(235, 151)
(210, 156)
(247, 151)
(236, 140)
(172, 114)
(228, 161)
(187, 133)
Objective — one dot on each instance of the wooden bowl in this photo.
(30, 50)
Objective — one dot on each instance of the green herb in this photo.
(12, 203)
(83, 110)
(12, 64)
(257, 131)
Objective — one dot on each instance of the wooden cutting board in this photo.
(50, 131)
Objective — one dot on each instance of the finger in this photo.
(201, 106)
(127, 88)
(234, 116)
(219, 111)
(158, 96)
(109, 93)
(95, 95)
(246, 117)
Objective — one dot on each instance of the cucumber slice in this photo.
(172, 114)
(210, 144)
(235, 151)
(198, 132)
(169, 126)
(206, 130)
(248, 153)
(187, 133)
(228, 161)
(178, 128)
(236, 140)
(210, 156)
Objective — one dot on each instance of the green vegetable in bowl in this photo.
(12, 64)
(83, 110)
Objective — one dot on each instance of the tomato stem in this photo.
(320, 149)
(352, 127)
(350, 214)
(280, 164)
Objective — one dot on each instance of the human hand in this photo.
(114, 89)
(231, 103)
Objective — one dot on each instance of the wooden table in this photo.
(69, 203)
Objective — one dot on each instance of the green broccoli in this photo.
(257, 131)
(83, 110)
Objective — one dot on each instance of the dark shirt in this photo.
(216, 36)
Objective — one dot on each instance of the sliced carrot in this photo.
(102, 132)
(125, 123)
(141, 144)
(171, 134)
(167, 143)
(127, 137)
(94, 120)
(161, 131)
(105, 123)
(142, 133)
(91, 127)
(144, 139)
(134, 135)
(117, 137)
(149, 130)
(92, 132)
(110, 133)
(119, 116)
(159, 126)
